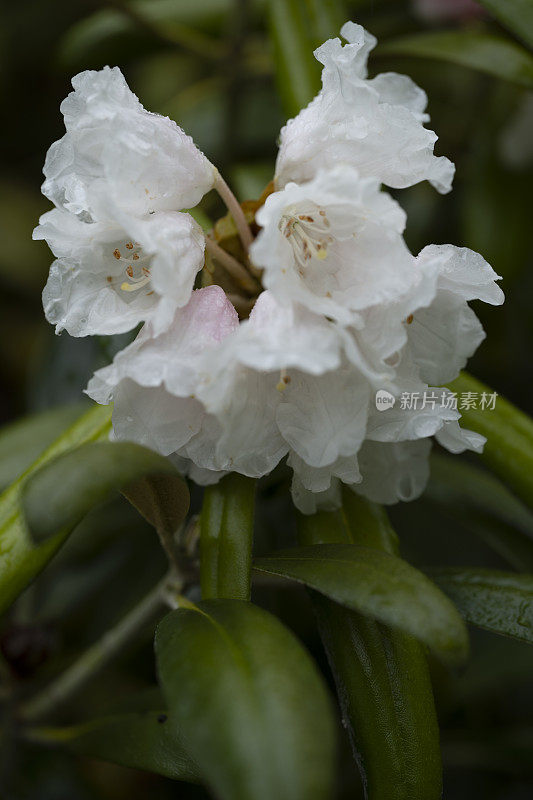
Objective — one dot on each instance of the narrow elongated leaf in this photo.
(486, 52)
(457, 482)
(226, 534)
(501, 602)
(381, 674)
(378, 585)
(517, 15)
(23, 441)
(248, 700)
(21, 560)
(483, 504)
(147, 741)
(509, 448)
(59, 494)
(385, 692)
(297, 72)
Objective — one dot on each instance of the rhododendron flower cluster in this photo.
(339, 307)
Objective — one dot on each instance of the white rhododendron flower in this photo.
(108, 277)
(335, 311)
(335, 245)
(116, 151)
(375, 125)
(119, 178)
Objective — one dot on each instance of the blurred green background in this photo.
(215, 67)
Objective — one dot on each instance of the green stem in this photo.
(101, 653)
(226, 537)
(233, 267)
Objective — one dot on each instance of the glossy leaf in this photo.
(516, 15)
(248, 700)
(226, 536)
(385, 691)
(59, 494)
(23, 441)
(381, 674)
(145, 740)
(509, 432)
(485, 506)
(501, 602)
(379, 585)
(21, 560)
(297, 71)
(494, 55)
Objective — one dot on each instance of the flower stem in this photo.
(235, 210)
(232, 266)
(102, 652)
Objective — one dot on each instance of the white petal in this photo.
(457, 439)
(310, 502)
(394, 471)
(464, 273)
(324, 417)
(442, 337)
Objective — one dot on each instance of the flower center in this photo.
(136, 269)
(308, 232)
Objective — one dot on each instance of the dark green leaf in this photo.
(23, 441)
(226, 535)
(385, 692)
(144, 740)
(485, 506)
(381, 674)
(21, 560)
(457, 482)
(378, 585)
(485, 52)
(501, 602)
(248, 700)
(297, 71)
(163, 500)
(509, 448)
(59, 494)
(517, 15)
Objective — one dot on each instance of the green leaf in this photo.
(21, 560)
(509, 447)
(23, 441)
(59, 494)
(381, 674)
(485, 506)
(145, 740)
(226, 537)
(501, 602)
(385, 692)
(163, 500)
(297, 71)
(485, 52)
(101, 34)
(378, 585)
(248, 700)
(517, 15)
